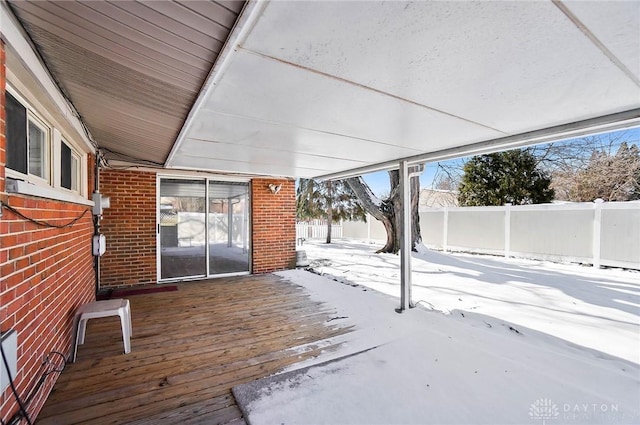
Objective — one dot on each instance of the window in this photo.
(38, 144)
(16, 134)
(27, 140)
(40, 160)
(69, 168)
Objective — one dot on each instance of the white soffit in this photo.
(321, 87)
(25, 65)
(132, 69)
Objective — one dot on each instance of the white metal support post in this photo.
(229, 222)
(244, 202)
(207, 228)
(405, 238)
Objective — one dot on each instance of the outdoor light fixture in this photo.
(275, 188)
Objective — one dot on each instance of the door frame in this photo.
(206, 179)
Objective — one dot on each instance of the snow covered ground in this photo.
(494, 342)
(598, 309)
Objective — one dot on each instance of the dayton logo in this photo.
(543, 409)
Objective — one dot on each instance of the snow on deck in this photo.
(506, 350)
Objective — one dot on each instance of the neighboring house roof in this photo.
(436, 198)
(306, 89)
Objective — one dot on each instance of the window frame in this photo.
(75, 175)
(19, 157)
(34, 119)
(32, 116)
(50, 187)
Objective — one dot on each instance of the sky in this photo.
(379, 181)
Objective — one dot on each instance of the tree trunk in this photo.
(389, 211)
(416, 237)
(374, 206)
(329, 209)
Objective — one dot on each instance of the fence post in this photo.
(445, 231)
(597, 230)
(507, 230)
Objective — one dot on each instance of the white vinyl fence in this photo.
(606, 234)
(316, 230)
(372, 230)
(191, 229)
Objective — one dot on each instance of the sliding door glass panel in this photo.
(182, 228)
(228, 227)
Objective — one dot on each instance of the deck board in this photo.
(189, 348)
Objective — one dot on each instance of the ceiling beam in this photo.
(248, 16)
(603, 124)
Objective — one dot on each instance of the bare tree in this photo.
(601, 166)
(609, 177)
(448, 174)
(389, 209)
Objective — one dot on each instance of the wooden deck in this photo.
(189, 348)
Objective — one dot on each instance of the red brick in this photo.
(129, 226)
(273, 226)
(40, 267)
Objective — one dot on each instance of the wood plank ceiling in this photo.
(132, 69)
(311, 88)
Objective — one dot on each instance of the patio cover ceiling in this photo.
(307, 89)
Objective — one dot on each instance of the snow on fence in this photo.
(316, 230)
(606, 234)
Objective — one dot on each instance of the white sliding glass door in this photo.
(228, 225)
(203, 228)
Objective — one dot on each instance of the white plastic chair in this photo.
(106, 308)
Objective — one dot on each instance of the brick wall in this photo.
(273, 226)
(130, 228)
(45, 274)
